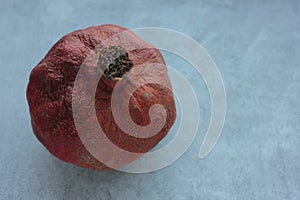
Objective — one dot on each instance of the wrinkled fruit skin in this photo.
(49, 95)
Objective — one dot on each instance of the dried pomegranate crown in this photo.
(114, 62)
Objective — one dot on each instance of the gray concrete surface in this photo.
(256, 45)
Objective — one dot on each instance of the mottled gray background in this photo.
(256, 45)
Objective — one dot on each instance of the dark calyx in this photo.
(114, 62)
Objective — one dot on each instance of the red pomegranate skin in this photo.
(49, 96)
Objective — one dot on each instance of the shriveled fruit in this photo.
(50, 89)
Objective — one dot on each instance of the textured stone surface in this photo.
(256, 46)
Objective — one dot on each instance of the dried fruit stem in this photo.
(114, 62)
